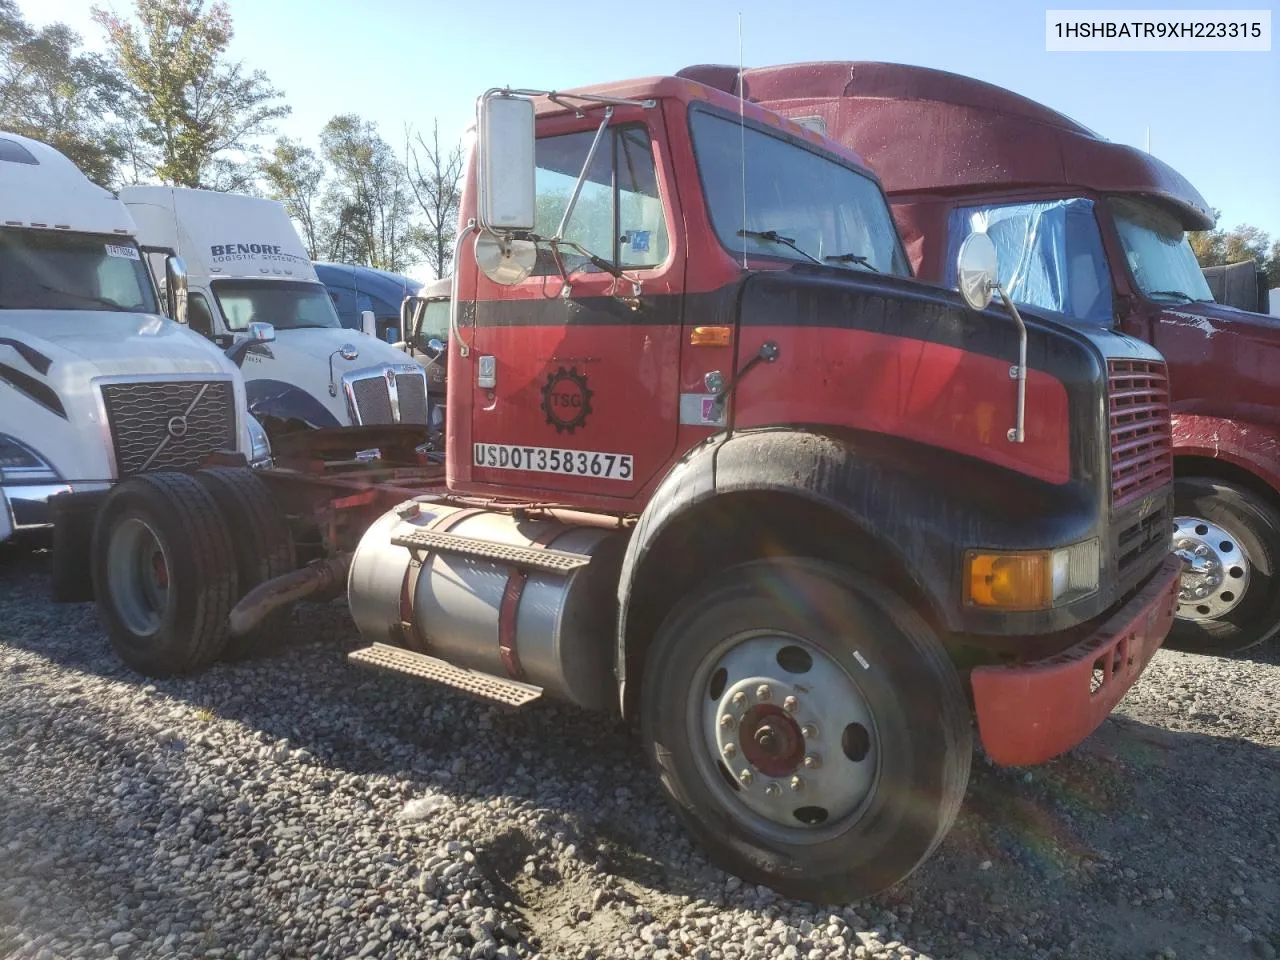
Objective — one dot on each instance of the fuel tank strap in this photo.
(410, 635)
(510, 606)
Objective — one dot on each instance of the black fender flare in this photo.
(284, 401)
(799, 462)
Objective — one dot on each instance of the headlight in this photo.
(259, 445)
(436, 417)
(20, 464)
(1032, 580)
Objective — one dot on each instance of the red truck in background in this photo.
(1094, 231)
(716, 460)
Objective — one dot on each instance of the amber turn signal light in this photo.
(710, 336)
(1009, 581)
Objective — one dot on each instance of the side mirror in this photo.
(506, 164)
(977, 270)
(368, 323)
(434, 348)
(175, 288)
(260, 332)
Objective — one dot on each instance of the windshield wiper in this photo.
(773, 237)
(1172, 293)
(101, 301)
(852, 258)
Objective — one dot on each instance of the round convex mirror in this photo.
(508, 263)
(976, 270)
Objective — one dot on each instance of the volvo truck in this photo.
(96, 383)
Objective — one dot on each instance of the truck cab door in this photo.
(576, 384)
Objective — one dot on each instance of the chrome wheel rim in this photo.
(1216, 569)
(138, 576)
(783, 737)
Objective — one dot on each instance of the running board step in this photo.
(382, 656)
(529, 558)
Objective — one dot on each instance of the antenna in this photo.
(742, 133)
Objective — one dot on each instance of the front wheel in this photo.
(808, 727)
(1229, 541)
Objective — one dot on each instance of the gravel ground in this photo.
(298, 807)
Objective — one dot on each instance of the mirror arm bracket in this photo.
(1018, 372)
(582, 177)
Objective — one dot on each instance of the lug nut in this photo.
(791, 704)
(797, 784)
(730, 750)
(739, 698)
(812, 761)
(763, 692)
(809, 731)
(746, 776)
(727, 721)
(772, 789)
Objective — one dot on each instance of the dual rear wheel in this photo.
(171, 555)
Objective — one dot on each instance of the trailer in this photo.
(715, 461)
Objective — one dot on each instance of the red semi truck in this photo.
(1093, 231)
(802, 519)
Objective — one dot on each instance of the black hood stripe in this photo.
(39, 362)
(39, 392)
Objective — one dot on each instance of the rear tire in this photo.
(261, 543)
(856, 682)
(1234, 536)
(164, 574)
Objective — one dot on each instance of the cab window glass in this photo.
(619, 215)
(199, 316)
(1050, 254)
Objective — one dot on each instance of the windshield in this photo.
(435, 321)
(287, 304)
(1160, 258)
(48, 270)
(1050, 254)
(799, 205)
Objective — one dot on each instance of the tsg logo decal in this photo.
(566, 399)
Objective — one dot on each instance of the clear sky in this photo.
(1215, 117)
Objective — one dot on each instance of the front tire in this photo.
(164, 574)
(1230, 593)
(808, 727)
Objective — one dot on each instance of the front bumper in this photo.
(1031, 712)
(25, 506)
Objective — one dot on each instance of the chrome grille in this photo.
(372, 400)
(168, 425)
(388, 395)
(412, 388)
(1141, 435)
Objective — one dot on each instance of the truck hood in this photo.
(112, 343)
(1211, 317)
(319, 342)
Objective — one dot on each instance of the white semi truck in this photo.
(96, 384)
(246, 265)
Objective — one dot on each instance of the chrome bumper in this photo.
(25, 506)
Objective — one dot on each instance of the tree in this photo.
(435, 177)
(192, 106)
(52, 92)
(366, 204)
(293, 175)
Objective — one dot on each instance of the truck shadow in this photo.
(1179, 804)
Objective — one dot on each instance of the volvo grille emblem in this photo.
(177, 427)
